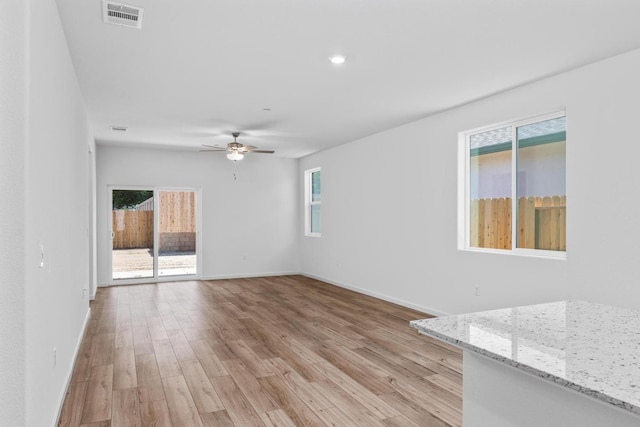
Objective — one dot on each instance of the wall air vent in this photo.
(119, 128)
(122, 14)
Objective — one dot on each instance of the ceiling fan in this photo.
(235, 150)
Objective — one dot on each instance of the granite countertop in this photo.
(591, 348)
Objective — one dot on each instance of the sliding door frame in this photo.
(156, 234)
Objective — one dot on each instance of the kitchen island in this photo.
(567, 363)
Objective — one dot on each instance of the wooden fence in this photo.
(177, 212)
(132, 229)
(177, 218)
(541, 220)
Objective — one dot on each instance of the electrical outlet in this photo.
(55, 357)
(477, 291)
(84, 292)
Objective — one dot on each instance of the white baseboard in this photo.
(214, 277)
(244, 275)
(424, 309)
(73, 364)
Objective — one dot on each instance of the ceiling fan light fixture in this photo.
(234, 155)
(337, 59)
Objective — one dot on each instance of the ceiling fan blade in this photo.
(214, 151)
(214, 147)
(262, 151)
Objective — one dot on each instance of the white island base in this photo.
(497, 395)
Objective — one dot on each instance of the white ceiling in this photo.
(201, 69)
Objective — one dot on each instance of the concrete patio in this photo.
(138, 263)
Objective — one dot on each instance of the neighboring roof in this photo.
(534, 134)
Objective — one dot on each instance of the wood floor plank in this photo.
(126, 408)
(182, 408)
(141, 338)
(181, 347)
(82, 367)
(170, 322)
(452, 386)
(124, 369)
(284, 350)
(71, 414)
(295, 408)
(335, 417)
(106, 423)
(236, 404)
(168, 365)
(346, 403)
(208, 359)
(358, 391)
(336, 335)
(251, 388)
(103, 351)
(400, 421)
(97, 405)
(250, 359)
(148, 376)
(277, 418)
(416, 412)
(217, 419)
(124, 334)
(435, 401)
(202, 391)
(360, 369)
(155, 414)
(392, 362)
(301, 387)
(156, 328)
(270, 339)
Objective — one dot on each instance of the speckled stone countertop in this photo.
(591, 348)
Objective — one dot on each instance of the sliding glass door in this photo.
(132, 234)
(154, 234)
(177, 233)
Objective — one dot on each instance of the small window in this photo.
(313, 199)
(515, 198)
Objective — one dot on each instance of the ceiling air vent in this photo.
(122, 14)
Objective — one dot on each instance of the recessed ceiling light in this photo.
(337, 59)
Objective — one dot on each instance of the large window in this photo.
(312, 202)
(515, 193)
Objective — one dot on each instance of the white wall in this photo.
(253, 217)
(13, 119)
(43, 169)
(389, 221)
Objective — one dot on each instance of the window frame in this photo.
(464, 188)
(309, 202)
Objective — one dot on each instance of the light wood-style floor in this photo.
(274, 351)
